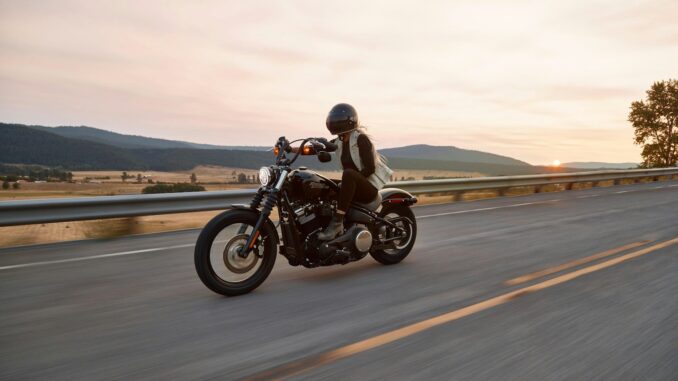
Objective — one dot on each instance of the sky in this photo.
(534, 80)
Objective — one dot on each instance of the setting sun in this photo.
(556, 163)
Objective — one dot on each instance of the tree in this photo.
(15, 185)
(194, 178)
(5, 184)
(69, 177)
(139, 178)
(124, 176)
(242, 178)
(655, 120)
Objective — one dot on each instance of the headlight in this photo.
(265, 175)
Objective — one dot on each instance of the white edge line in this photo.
(484, 209)
(589, 196)
(95, 257)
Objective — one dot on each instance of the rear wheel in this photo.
(400, 246)
(217, 262)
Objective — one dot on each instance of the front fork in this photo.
(255, 204)
(271, 201)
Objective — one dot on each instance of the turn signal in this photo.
(307, 150)
(276, 150)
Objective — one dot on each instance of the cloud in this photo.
(521, 78)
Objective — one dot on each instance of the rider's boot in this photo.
(335, 227)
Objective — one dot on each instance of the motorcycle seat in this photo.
(372, 205)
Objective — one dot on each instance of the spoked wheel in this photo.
(400, 245)
(217, 259)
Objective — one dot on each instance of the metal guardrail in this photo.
(503, 182)
(24, 212)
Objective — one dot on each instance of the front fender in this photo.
(268, 222)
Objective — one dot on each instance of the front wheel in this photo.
(402, 217)
(217, 262)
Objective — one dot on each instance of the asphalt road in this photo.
(459, 308)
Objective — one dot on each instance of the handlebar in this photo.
(316, 145)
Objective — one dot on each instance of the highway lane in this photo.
(146, 315)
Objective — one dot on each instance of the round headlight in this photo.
(265, 175)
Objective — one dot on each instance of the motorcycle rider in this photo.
(364, 171)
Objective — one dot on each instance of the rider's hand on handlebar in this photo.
(326, 145)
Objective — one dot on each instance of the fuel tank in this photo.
(307, 185)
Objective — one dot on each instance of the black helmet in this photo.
(342, 118)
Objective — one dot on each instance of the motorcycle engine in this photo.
(353, 245)
(312, 217)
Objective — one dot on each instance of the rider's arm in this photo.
(330, 145)
(367, 155)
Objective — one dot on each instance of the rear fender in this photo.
(396, 196)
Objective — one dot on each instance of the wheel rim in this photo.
(225, 262)
(401, 243)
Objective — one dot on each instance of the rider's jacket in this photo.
(382, 173)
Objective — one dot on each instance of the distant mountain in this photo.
(131, 141)
(20, 144)
(450, 153)
(599, 165)
(465, 166)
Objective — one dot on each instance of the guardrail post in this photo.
(617, 181)
(457, 196)
(569, 186)
(502, 191)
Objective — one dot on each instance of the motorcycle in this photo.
(236, 250)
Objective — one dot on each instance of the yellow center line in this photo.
(308, 363)
(575, 263)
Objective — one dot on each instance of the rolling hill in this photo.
(450, 153)
(21, 144)
(130, 141)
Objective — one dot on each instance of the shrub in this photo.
(172, 188)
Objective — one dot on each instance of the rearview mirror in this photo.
(324, 156)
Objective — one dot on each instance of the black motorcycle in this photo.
(236, 250)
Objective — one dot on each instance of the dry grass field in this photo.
(205, 174)
(214, 174)
(212, 178)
